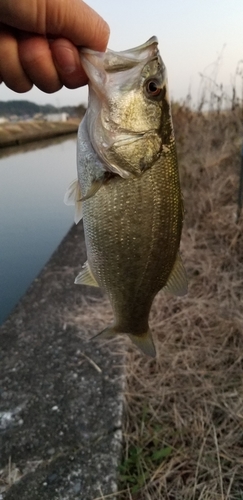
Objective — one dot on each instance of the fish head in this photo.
(128, 115)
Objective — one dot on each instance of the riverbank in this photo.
(14, 134)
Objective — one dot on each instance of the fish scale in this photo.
(129, 183)
(141, 252)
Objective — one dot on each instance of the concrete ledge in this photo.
(24, 132)
(60, 394)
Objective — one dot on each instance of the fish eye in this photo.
(152, 88)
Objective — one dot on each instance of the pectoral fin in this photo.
(95, 186)
(72, 197)
(144, 342)
(86, 277)
(115, 169)
(177, 282)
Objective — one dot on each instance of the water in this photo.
(33, 217)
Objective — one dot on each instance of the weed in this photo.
(139, 461)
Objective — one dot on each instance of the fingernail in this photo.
(65, 60)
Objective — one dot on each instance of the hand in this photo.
(39, 40)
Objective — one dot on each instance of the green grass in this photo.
(139, 462)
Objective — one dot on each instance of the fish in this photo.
(128, 188)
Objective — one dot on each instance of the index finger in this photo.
(72, 19)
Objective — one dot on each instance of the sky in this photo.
(193, 35)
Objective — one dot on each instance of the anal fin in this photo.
(86, 277)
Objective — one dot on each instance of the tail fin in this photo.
(144, 341)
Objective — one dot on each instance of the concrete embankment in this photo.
(60, 393)
(13, 134)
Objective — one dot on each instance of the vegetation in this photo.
(184, 411)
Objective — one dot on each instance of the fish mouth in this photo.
(127, 138)
(123, 139)
(98, 64)
(139, 48)
(134, 55)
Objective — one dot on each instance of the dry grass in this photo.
(183, 428)
(8, 476)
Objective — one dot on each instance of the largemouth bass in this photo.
(128, 190)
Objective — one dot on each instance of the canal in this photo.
(33, 217)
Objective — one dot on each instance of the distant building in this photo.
(38, 116)
(14, 118)
(56, 117)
